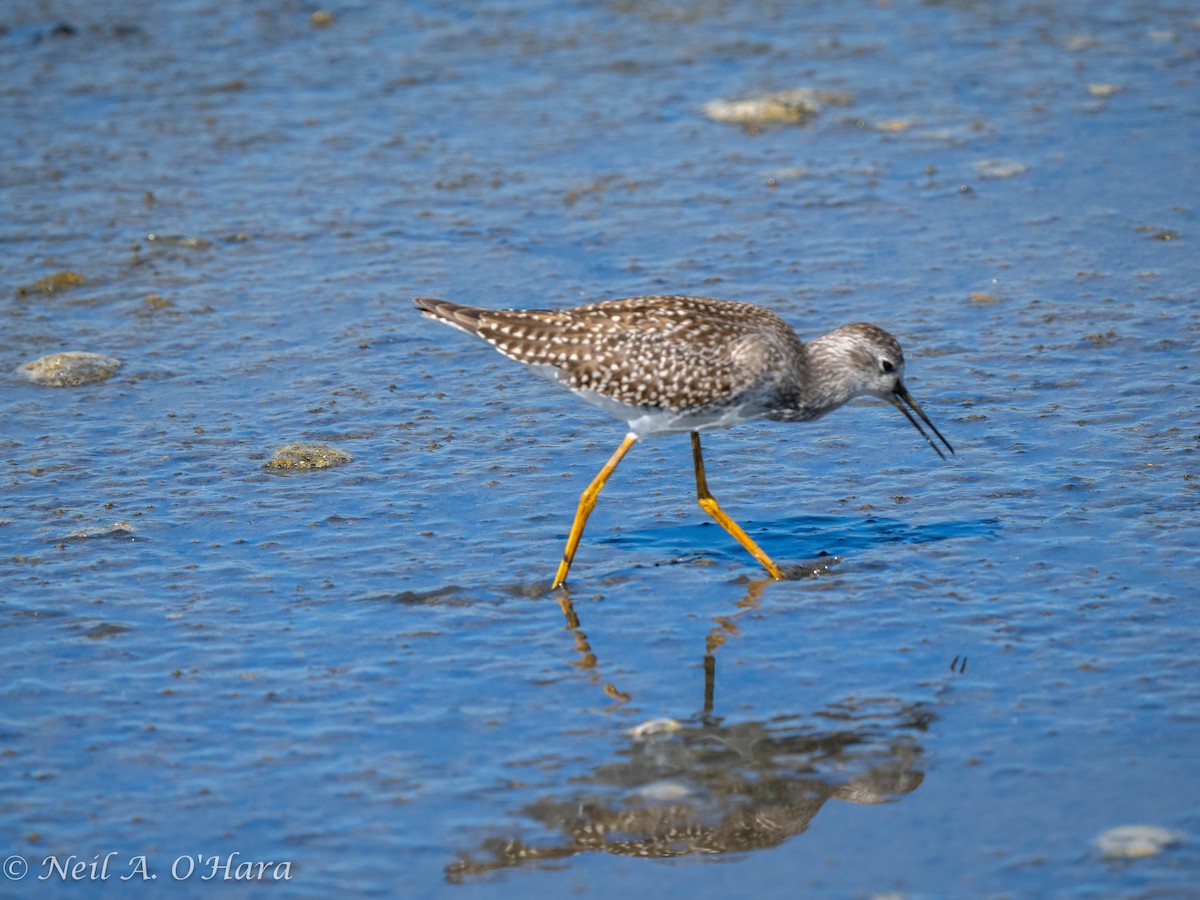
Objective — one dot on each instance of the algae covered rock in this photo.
(307, 456)
(69, 369)
(52, 284)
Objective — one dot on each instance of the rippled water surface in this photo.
(359, 674)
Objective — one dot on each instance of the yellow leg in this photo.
(709, 504)
(587, 501)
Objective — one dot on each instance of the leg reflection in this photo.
(586, 658)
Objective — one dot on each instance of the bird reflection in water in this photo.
(704, 787)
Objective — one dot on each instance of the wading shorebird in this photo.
(670, 364)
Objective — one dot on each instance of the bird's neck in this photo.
(818, 385)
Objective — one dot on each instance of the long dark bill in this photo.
(901, 393)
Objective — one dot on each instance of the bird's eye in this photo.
(887, 366)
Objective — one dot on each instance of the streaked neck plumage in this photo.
(833, 369)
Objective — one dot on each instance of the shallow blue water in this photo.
(360, 671)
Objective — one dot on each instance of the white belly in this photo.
(647, 421)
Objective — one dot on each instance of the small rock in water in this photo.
(1135, 841)
(107, 529)
(179, 240)
(69, 369)
(1000, 168)
(308, 456)
(651, 727)
(796, 106)
(665, 791)
(105, 629)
